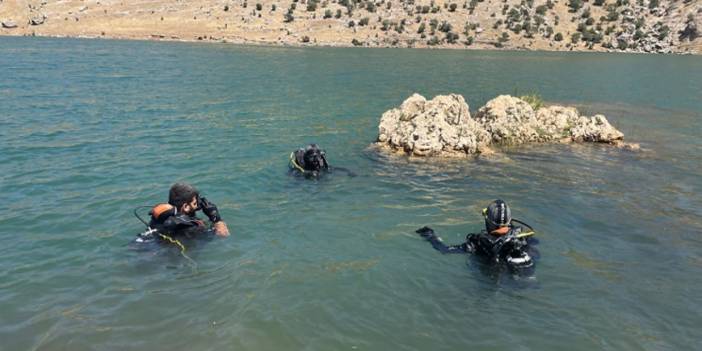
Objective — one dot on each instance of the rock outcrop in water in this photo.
(443, 126)
(439, 126)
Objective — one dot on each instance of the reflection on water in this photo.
(92, 129)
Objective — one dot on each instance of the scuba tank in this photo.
(158, 214)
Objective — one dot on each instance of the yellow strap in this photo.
(525, 234)
(294, 163)
(174, 241)
(181, 246)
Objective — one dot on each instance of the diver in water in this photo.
(177, 220)
(501, 242)
(311, 161)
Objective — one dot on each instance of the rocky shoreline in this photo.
(636, 26)
(443, 126)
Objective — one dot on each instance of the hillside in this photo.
(662, 26)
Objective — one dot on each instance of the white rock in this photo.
(443, 126)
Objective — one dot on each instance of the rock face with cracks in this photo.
(440, 126)
(443, 126)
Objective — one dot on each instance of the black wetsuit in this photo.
(510, 248)
(312, 162)
(309, 161)
(180, 226)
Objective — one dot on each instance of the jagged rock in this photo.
(441, 126)
(509, 120)
(37, 20)
(555, 122)
(595, 129)
(9, 24)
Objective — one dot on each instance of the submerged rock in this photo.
(443, 126)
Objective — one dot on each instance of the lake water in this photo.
(92, 129)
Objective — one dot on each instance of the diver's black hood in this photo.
(311, 158)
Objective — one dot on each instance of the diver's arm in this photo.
(211, 211)
(342, 169)
(220, 229)
(438, 243)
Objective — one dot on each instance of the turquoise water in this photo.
(92, 129)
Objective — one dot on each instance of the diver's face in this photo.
(190, 207)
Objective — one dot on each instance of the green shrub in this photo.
(622, 45)
(612, 14)
(638, 35)
(534, 100)
(364, 21)
(558, 37)
(663, 32)
(445, 27)
(503, 38)
(575, 38)
(386, 25)
(452, 7)
(421, 28)
(259, 7)
(433, 24)
(585, 14)
(355, 42)
(575, 5)
(452, 37)
(639, 22)
(433, 41)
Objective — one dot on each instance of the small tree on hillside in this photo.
(575, 5)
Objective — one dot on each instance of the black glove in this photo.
(425, 232)
(209, 209)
